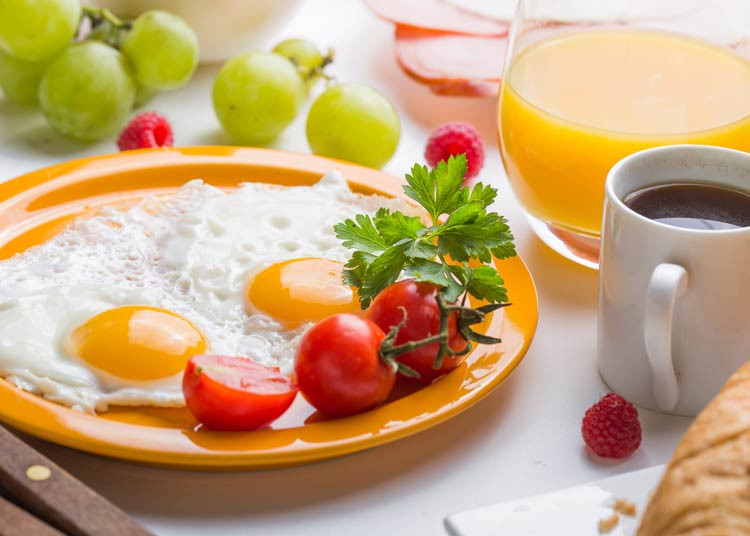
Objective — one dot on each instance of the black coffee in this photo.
(693, 206)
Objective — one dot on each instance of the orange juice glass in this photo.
(580, 93)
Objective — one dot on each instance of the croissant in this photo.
(705, 490)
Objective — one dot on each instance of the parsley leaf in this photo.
(361, 235)
(486, 284)
(381, 272)
(355, 269)
(438, 274)
(395, 226)
(471, 233)
(439, 190)
(479, 194)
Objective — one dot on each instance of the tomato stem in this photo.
(466, 317)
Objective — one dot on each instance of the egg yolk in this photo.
(138, 342)
(301, 290)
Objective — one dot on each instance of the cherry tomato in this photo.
(338, 367)
(235, 393)
(422, 320)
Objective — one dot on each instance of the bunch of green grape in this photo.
(257, 95)
(85, 67)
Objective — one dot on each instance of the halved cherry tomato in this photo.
(235, 393)
(338, 366)
(423, 320)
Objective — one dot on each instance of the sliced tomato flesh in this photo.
(235, 393)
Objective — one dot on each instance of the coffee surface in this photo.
(692, 206)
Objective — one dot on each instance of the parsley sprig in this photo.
(461, 229)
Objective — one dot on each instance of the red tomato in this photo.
(423, 320)
(338, 367)
(235, 393)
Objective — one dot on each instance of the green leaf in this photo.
(395, 226)
(505, 250)
(486, 284)
(361, 234)
(471, 236)
(464, 215)
(355, 269)
(449, 179)
(480, 193)
(381, 272)
(421, 188)
(436, 273)
(421, 248)
(439, 190)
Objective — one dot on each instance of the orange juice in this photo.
(572, 106)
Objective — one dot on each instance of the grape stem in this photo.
(102, 14)
(105, 25)
(312, 74)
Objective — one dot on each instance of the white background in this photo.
(523, 439)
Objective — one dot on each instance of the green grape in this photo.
(305, 56)
(353, 122)
(143, 94)
(163, 50)
(256, 95)
(20, 79)
(301, 52)
(87, 91)
(34, 30)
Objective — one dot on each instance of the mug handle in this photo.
(668, 282)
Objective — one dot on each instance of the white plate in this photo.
(572, 511)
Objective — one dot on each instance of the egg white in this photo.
(191, 253)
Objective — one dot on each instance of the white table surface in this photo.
(521, 440)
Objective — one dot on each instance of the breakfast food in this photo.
(109, 310)
(353, 122)
(621, 507)
(306, 57)
(418, 301)
(610, 428)
(162, 48)
(235, 393)
(456, 138)
(59, 18)
(256, 95)
(149, 129)
(455, 47)
(86, 67)
(423, 326)
(87, 91)
(706, 487)
(339, 367)
(607, 524)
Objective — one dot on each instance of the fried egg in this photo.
(109, 311)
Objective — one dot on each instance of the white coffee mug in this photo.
(674, 303)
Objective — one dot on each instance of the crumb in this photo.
(608, 523)
(624, 507)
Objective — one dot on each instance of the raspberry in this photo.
(610, 427)
(149, 129)
(456, 138)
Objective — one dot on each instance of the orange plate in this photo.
(36, 206)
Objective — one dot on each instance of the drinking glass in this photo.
(589, 82)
